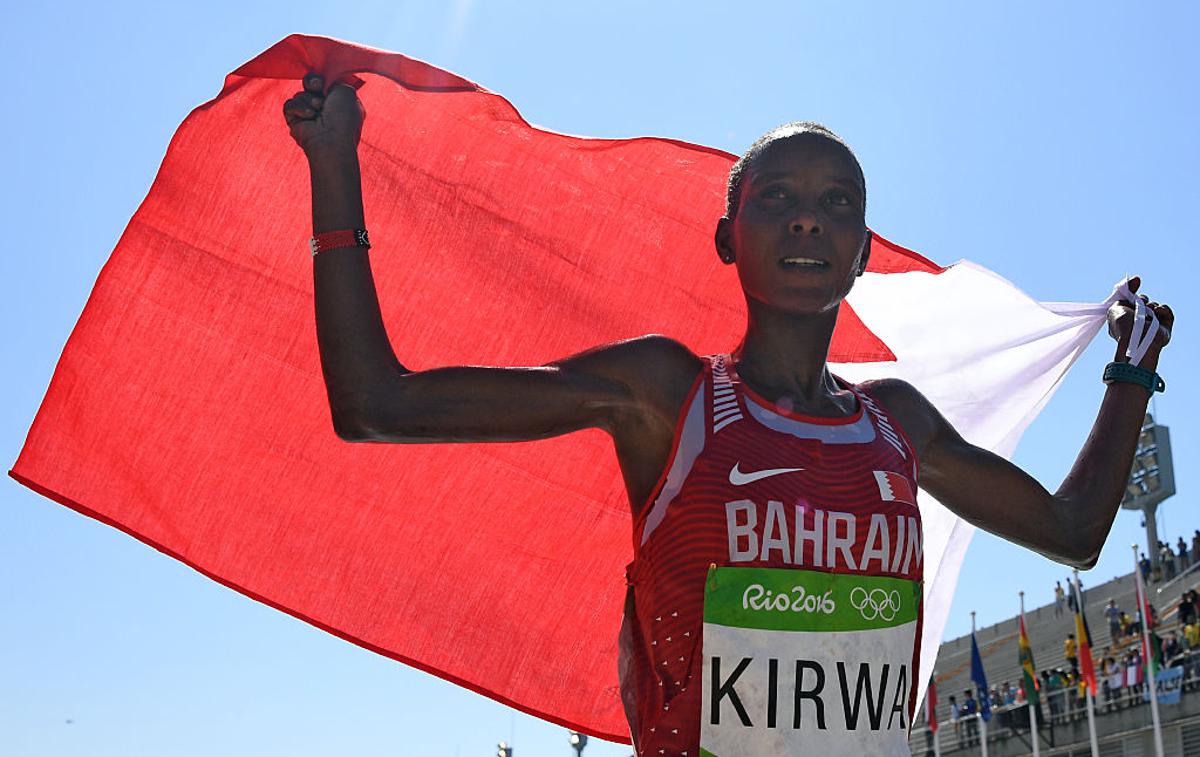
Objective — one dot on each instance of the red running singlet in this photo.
(775, 597)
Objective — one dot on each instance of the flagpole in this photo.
(1091, 707)
(1091, 711)
(1148, 660)
(1029, 698)
(979, 705)
(930, 718)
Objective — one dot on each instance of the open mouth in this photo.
(797, 262)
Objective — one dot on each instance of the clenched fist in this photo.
(321, 122)
(1121, 321)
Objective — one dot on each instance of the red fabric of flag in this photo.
(931, 706)
(188, 407)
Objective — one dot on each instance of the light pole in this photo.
(1151, 479)
(578, 742)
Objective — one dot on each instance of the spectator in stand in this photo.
(1066, 686)
(1195, 600)
(1196, 547)
(1137, 622)
(1060, 598)
(1187, 608)
(1066, 689)
(1191, 634)
(1184, 556)
(1167, 558)
(1144, 566)
(1113, 614)
(1081, 693)
(1114, 680)
(969, 716)
(956, 720)
(1171, 648)
(1071, 651)
(1071, 603)
(1050, 686)
(1133, 672)
(1102, 679)
(1126, 625)
(1007, 697)
(1069, 704)
(1130, 674)
(1071, 681)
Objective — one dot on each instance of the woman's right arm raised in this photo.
(373, 397)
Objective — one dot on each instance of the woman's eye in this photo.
(775, 193)
(838, 198)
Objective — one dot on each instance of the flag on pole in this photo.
(1087, 667)
(1151, 651)
(1028, 670)
(1152, 646)
(188, 408)
(979, 678)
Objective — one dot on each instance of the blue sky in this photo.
(1053, 143)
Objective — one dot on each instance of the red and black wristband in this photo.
(333, 240)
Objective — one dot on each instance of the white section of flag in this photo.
(989, 357)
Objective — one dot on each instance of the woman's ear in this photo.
(723, 240)
(864, 254)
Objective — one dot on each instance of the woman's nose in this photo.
(804, 222)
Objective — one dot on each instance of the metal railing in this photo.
(1059, 707)
(1173, 583)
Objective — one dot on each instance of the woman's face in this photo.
(800, 227)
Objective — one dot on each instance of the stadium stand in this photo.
(1123, 727)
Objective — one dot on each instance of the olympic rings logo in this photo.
(876, 603)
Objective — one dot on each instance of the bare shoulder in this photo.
(657, 370)
(921, 421)
(653, 359)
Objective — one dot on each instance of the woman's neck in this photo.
(783, 356)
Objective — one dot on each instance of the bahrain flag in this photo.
(188, 408)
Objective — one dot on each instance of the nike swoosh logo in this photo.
(737, 478)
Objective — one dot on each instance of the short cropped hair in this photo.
(733, 189)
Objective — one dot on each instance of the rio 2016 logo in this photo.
(757, 597)
(875, 603)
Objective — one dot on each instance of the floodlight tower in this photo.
(1151, 479)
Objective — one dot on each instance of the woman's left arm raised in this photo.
(983, 488)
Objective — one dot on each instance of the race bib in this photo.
(806, 662)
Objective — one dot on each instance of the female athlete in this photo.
(774, 602)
